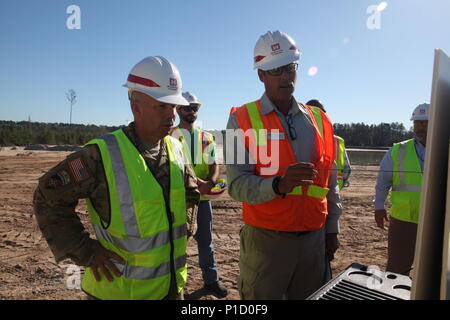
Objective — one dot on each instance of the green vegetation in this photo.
(27, 133)
(379, 135)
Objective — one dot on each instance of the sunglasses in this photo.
(190, 108)
(290, 68)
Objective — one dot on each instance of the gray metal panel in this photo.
(445, 277)
(359, 282)
(430, 235)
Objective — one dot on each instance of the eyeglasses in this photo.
(292, 131)
(190, 108)
(290, 68)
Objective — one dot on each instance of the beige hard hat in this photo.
(159, 78)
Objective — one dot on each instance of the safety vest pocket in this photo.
(401, 205)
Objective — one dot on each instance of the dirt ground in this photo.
(28, 269)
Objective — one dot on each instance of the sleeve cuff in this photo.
(267, 188)
(332, 225)
(379, 205)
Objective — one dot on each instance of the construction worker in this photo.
(138, 189)
(200, 147)
(401, 171)
(291, 203)
(342, 160)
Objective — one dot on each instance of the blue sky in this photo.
(364, 75)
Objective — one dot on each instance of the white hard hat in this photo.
(421, 112)
(191, 98)
(273, 50)
(159, 78)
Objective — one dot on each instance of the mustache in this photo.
(286, 85)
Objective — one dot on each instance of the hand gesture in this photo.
(298, 174)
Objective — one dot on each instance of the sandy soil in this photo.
(28, 269)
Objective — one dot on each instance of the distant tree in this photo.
(72, 97)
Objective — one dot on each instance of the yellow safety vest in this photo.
(148, 233)
(203, 141)
(340, 160)
(406, 186)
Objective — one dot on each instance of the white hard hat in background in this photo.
(421, 112)
(273, 50)
(159, 78)
(191, 98)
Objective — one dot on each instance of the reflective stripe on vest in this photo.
(340, 160)
(406, 186)
(257, 124)
(313, 191)
(139, 230)
(123, 187)
(305, 208)
(140, 244)
(144, 273)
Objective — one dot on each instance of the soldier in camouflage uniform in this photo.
(82, 175)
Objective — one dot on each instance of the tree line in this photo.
(374, 135)
(28, 133)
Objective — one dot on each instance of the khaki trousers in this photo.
(401, 246)
(281, 265)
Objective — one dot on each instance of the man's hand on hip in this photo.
(102, 264)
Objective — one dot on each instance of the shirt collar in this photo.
(267, 106)
(418, 143)
(141, 145)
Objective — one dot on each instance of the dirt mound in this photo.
(36, 147)
(64, 148)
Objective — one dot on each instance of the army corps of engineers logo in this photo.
(276, 49)
(173, 84)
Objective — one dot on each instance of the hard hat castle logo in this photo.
(173, 82)
(275, 47)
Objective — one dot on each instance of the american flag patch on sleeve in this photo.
(78, 170)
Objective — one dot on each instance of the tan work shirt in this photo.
(60, 189)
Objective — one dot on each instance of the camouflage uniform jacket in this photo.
(81, 175)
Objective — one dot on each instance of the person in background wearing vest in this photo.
(138, 189)
(201, 152)
(291, 203)
(342, 160)
(401, 170)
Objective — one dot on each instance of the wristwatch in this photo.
(275, 185)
